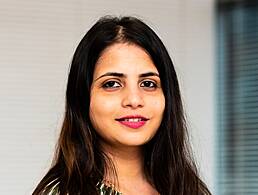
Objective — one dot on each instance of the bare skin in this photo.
(130, 173)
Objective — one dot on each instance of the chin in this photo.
(133, 142)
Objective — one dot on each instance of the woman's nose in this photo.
(133, 98)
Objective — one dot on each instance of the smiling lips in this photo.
(135, 121)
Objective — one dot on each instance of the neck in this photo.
(128, 162)
(129, 165)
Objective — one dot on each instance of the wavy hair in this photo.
(79, 160)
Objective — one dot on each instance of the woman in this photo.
(124, 130)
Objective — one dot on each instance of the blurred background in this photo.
(213, 44)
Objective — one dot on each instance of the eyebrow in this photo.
(121, 75)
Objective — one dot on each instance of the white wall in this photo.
(37, 40)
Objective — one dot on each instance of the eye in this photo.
(111, 84)
(148, 84)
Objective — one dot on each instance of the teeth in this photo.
(133, 120)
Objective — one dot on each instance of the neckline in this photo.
(107, 188)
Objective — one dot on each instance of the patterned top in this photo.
(103, 189)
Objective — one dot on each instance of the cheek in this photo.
(101, 105)
(159, 105)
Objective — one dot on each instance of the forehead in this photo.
(125, 58)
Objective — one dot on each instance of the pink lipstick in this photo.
(133, 121)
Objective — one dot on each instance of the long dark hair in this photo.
(79, 161)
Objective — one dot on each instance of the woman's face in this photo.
(127, 101)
